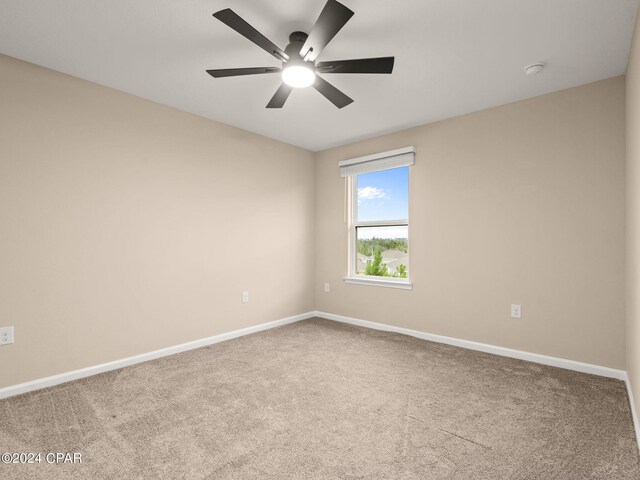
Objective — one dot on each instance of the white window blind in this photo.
(378, 161)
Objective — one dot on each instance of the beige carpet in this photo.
(321, 400)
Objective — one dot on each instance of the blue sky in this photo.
(383, 196)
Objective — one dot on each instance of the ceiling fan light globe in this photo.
(298, 76)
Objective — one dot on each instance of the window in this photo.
(379, 218)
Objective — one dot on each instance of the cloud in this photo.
(370, 193)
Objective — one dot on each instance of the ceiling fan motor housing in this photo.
(296, 42)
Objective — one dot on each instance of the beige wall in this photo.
(522, 203)
(127, 226)
(633, 216)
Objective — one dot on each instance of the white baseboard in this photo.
(125, 362)
(634, 413)
(484, 347)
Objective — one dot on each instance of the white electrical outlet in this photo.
(516, 311)
(327, 287)
(6, 335)
(245, 297)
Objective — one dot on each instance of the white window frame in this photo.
(350, 169)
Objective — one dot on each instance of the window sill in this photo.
(374, 282)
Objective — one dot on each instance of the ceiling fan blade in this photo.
(361, 65)
(332, 94)
(233, 20)
(235, 72)
(333, 17)
(281, 95)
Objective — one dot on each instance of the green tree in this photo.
(402, 270)
(376, 268)
(369, 246)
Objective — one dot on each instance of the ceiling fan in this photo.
(299, 68)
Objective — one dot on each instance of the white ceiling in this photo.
(452, 56)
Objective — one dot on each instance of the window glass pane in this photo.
(382, 251)
(383, 195)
